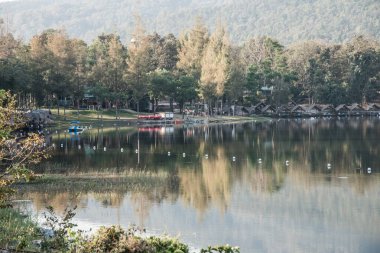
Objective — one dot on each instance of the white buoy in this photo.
(259, 160)
(169, 153)
(121, 150)
(287, 163)
(183, 155)
(328, 166)
(94, 148)
(369, 170)
(105, 148)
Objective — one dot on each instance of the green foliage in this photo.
(215, 64)
(253, 84)
(15, 154)
(115, 239)
(17, 231)
(221, 249)
(185, 90)
(63, 237)
(167, 244)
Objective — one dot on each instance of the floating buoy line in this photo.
(186, 155)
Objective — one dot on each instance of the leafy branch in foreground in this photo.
(16, 153)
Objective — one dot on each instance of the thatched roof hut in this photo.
(299, 109)
(269, 109)
(313, 109)
(327, 108)
(372, 107)
(355, 108)
(342, 108)
(259, 106)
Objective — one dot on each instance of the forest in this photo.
(200, 65)
(288, 21)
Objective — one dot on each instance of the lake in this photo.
(277, 186)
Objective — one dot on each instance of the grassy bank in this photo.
(93, 117)
(99, 182)
(108, 117)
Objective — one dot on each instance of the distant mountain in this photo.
(286, 20)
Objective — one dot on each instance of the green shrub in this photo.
(114, 239)
(17, 231)
(221, 249)
(167, 244)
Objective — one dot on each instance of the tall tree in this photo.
(139, 63)
(363, 61)
(192, 46)
(235, 85)
(161, 85)
(298, 58)
(167, 52)
(185, 90)
(109, 63)
(80, 77)
(215, 64)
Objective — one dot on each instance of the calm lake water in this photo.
(222, 184)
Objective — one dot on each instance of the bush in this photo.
(114, 239)
(17, 231)
(221, 249)
(167, 244)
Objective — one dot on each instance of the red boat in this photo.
(150, 117)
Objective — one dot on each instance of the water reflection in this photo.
(263, 206)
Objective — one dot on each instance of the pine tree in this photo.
(215, 64)
(192, 46)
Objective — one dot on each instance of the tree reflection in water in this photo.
(161, 190)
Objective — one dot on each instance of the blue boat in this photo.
(75, 127)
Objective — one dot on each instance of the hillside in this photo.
(288, 21)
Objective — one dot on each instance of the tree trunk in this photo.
(58, 105)
(78, 108)
(116, 104)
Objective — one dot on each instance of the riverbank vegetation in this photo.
(20, 233)
(199, 67)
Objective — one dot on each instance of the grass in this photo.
(100, 182)
(17, 231)
(109, 117)
(105, 117)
